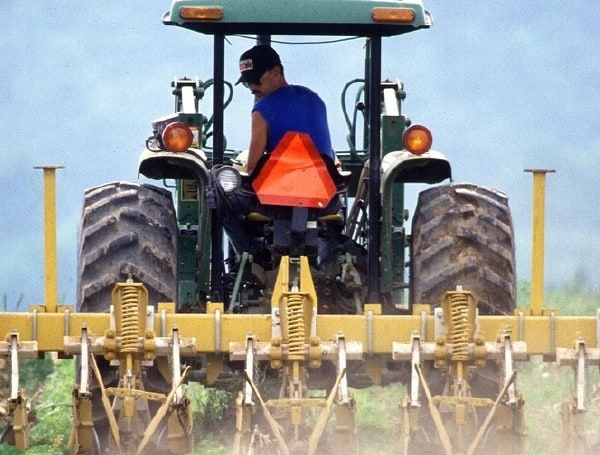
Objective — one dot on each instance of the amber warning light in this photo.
(201, 13)
(177, 137)
(417, 139)
(393, 15)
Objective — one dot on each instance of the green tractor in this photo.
(461, 233)
(170, 237)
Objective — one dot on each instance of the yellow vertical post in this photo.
(50, 267)
(537, 252)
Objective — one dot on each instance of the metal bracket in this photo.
(85, 362)
(249, 369)
(509, 367)
(580, 375)
(14, 366)
(176, 365)
(579, 357)
(82, 437)
(18, 406)
(414, 375)
(343, 393)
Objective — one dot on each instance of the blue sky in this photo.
(503, 85)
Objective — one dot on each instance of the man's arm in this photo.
(258, 140)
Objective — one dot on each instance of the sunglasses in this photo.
(259, 81)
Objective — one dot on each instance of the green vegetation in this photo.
(378, 417)
(48, 385)
(546, 386)
(578, 297)
(213, 416)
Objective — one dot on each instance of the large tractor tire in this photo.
(462, 235)
(128, 230)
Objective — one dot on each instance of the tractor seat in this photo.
(331, 218)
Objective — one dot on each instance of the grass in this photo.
(48, 385)
(546, 386)
(378, 418)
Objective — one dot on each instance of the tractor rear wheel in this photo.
(462, 235)
(127, 230)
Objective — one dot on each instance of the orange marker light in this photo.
(393, 15)
(201, 13)
(417, 139)
(177, 137)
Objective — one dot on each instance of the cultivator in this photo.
(298, 341)
(130, 343)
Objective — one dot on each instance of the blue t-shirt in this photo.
(299, 109)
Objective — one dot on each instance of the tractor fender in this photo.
(403, 167)
(160, 165)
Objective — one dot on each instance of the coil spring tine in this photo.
(129, 319)
(460, 327)
(296, 329)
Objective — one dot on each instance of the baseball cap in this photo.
(256, 61)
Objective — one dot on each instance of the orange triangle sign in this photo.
(295, 175)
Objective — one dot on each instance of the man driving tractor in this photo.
(280, 108)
